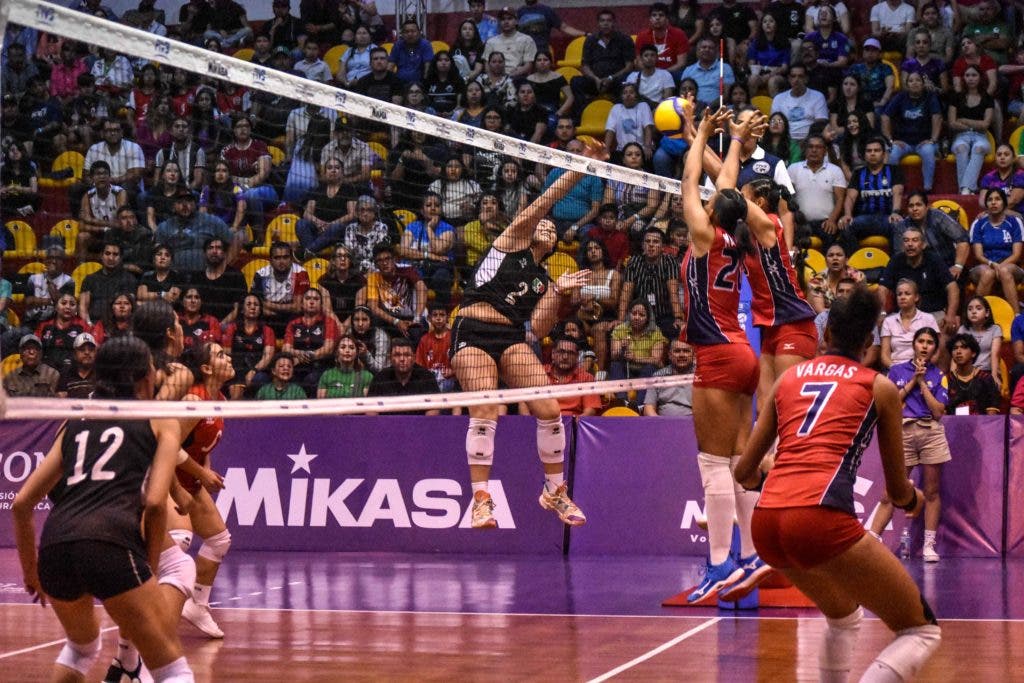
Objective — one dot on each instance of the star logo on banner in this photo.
(302, 460)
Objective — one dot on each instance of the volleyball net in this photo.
(308, 181)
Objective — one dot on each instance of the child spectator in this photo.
(281, 387)
(432, 351)
(981, 325)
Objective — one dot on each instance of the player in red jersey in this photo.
(727, 370)
(824, 412)
(211, 365)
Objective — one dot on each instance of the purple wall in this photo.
(393, 484)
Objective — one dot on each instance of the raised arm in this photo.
(701, 231)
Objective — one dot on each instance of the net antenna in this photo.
(46, 16)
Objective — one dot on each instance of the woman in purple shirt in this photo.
(922, 387)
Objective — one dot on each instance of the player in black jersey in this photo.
(92, 545)
(508, 289)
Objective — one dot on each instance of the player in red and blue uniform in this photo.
(824, 412)
(727, 369)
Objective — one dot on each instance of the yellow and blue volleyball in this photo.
(668, 115)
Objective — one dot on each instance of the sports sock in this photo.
(478, 486)
(201, 594)
(905, 656)
(836, 657)
(127, 654)
(929, 537)
(177, 671)
(719, 504)
(745, 503)
(553, 481)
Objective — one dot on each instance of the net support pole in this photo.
(721, 91)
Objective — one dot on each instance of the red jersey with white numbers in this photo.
(826, 414)
(778, 297)
(711, 287)
(203, 438)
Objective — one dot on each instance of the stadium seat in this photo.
(276, 155)
(871, 261)
(763, 104)
(11, 364)
(281, 229)
(1002, 314)
(896, 74)
(955, 211)
(72, 161)
(245, 54)
(250, 268)
(79, 273)
(991, 156)
(815, 260)
(1015, 138)
(68, 231)
(875, 242)
(12, 317)
(1004, 380)
(333, 58)
(560, 263)
(569, 72)
(317, 268)
(404, 217)
(620, 411)
(32, 268)
(594, 118)
(387, 46)
(24, 240)
(440, 46)
(573, 53)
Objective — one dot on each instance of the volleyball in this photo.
(668, 115)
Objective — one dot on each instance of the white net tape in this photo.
(51, 18)
(62, 409)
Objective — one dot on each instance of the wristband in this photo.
(911, 504)
(737, 139)
(958, 266)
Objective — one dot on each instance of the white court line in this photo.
(656, 651)
(15, 653)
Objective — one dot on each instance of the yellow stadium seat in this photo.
(387, 46)
(11, 364)
(560, 263)
(404, 217)
(250, 268)
(67, 160)
(594, 117)
(869, 260)
(440, 46)
(620, 411)
(1004, 380)
(911, 160)
(816, 242)
(895, 74)
(276, 155)
(763, 104)
(570, 72)
(1015, 139)
(815, 260)
(32, 268)
(875, 242)
(245, 54)
(573, 53)
(955, 211)
(79, 273)
(333, 58)
(281, 229)
(1002, 314)
(380, 150)
(12, 317)
(24, 240)
(317, 268)
(68, 231)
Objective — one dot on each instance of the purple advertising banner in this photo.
(1015, 504)
(652, 462)
(23, 444)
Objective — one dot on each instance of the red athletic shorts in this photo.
(732, 367)
(792, 339)
(803, 537)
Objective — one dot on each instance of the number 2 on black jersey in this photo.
(113, 436)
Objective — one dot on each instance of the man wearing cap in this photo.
(877, 79)
(79, 379)
(32, 379)
(518, 48)
(43, 289)
(187, 230)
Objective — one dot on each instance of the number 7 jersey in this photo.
(711, 287)
(826, 418)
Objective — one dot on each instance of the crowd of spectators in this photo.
(184, 173)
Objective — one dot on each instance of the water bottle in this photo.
(904, 549)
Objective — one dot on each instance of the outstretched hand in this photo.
(569, 281)
(595, 150)
(751, 127)
(714, 121)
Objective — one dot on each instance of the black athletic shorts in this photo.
(490, 338)
(67, 571)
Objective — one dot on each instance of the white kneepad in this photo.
(480, 441)
(177, 569)
(183, 537)
(715, 474)
(551, 441)
(836, 657)
(905, 656)
(80, 656)
(216, 547)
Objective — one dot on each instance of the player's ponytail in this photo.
(195, 357)
(150, 323)
(731, 214)
(121, 362)
(851, 320)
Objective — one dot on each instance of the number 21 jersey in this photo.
(711, 285)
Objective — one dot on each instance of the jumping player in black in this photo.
(92, 545)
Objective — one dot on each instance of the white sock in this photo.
(929, 537)
(127, 654)
(719, 504)
(745, 503)
(905, 656)
(201, 594)
(553, 481)
(177, 671)
(836, 657)
(478, 486)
